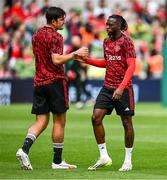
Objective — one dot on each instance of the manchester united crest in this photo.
(117, 48)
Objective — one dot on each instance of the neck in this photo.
(51, 26)
(116, 35)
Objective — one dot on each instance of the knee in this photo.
(127, 123)
(37, 128)
(42, 124)
(95, 120)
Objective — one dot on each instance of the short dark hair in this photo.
(124, 24)
(54, 13)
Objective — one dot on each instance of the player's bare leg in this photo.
(59, 121)
(99, 133)
(33, 132)
(129, 140)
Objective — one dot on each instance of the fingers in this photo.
(117, 94)
(79, 58)
(116, 97)
(83, 52)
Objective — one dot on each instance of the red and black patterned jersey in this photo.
(45, 42)
(116, 54)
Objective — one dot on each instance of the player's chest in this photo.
(113, 48)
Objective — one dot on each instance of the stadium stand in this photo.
(19, 21)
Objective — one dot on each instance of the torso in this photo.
(116, 54)
(45, 42)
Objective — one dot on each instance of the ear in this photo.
(119, 25)
(53, 21)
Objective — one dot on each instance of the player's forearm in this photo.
(129, 74)
(96, 62)
(61, 59)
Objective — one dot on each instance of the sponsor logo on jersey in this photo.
(112, 58)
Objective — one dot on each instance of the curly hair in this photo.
(124, 25)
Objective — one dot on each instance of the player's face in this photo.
(112, 26)
(59, 23)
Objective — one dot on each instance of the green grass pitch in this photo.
(149, 155)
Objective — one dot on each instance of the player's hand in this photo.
(79, 58)
(117, 94)
(82, 52)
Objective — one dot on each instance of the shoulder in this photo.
(127, 39)
(105, 41)
(128, 43)
(37, 34)
(51, 35)
(57, 36)
(43, 31)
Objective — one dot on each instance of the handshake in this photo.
(81, 54)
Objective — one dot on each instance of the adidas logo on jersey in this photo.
(127, 109)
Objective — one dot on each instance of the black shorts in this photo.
(51, 98)
(124, 106)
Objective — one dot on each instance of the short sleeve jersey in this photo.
(116, 54)
(45, 42)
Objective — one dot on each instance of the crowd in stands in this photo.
(146, 27)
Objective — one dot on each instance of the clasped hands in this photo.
(81, 54)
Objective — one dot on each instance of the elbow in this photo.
(132, 69)
(56, 62)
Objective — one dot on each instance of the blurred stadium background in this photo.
(85, 25)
